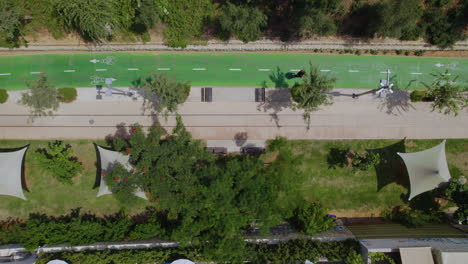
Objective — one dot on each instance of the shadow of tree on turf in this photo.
(391, 168)
(399, 101)
(277, 98)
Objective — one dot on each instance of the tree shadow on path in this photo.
(399, 101)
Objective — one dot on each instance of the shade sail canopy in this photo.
(416, 255)
(10, 173)
(427, 169)
(57, 261)
(109, 159)
(182, 261)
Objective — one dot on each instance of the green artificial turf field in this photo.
(223, 69)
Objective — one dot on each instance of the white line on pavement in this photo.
(133, 69)
(264, 69)
(101, 69)
(353, 71)
(199, 69)
(324, 70)
(416, 73)
(235, 69)
(35, 72)
(164, 69)
(294, 70)
(69, 71)
(5, 73)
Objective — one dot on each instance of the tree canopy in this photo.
(11, 25)
(449, 97)
(41, 98)
(243, 22)
(312, 92)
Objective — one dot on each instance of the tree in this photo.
(11, 25)
(165, 93)
(399, 18)
(41, 98)
(95, 20)
(58, 160)
(316, 23)
(243, 22)
(311, 93)
(448, 96)
(122, 184)
(147, 13)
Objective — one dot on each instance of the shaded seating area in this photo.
(427, 169)
(11, 172)
(107, 159)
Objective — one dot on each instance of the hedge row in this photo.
(292, 251)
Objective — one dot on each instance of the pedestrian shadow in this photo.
(277, 98)
(398, 102)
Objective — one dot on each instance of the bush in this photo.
(58, 160)
(66, 94)
(399, 52)
(407, 53)
(311, 218)
(417, 95)
(365, 161)
(358, 52)
(3, 96)
(410, 217)
(419, 53)
(354, 258)
(374, 52)
(122, 183)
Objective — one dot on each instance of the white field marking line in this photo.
(446, 74)
(296, 70)
(235, 69)
(325, 70)
(164, 69)
(263, 69)
(5, 74)
(101, 69)
(199, 69)
(383, 72)
(353, 71)
(133, 69)
(416, 73)
(69, 71)
(35, 72)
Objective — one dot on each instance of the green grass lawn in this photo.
(366, 71)
(338, 189)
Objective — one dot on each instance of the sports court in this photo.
(223, 69)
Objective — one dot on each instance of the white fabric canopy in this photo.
(109, 159)
(10, 173)
(57, 261)
(182, 261)
(427, 169)
(416, 255)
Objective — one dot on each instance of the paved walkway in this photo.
(228, 115)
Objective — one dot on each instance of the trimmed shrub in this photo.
(3, 96)
(311, 218)
(417, 96)
(365, 161)
(358, 52)
(374, 52)
(66, 94)
(399, 52)
(407, 53)
(419, 53)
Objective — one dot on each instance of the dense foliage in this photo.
(312, 92)
(67, 94)
(211, 201)
(440, 22)
(458, 193)
(243, 22)
(57, 159)
(122, 183)
(164, 93)
(41, 98)
(311, 218)
(449, 97)
(3, 96)
(291, 251)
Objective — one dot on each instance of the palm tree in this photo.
(448, 96)
(312, 92)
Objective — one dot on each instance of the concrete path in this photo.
(228, 115)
